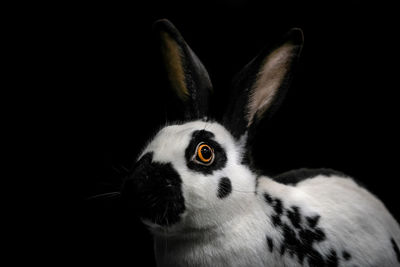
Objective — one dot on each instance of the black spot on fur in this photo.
(220, 158)
(346, 255)
(300, 234)
(290, 239)
(396, 249)
(277, 205)
(313, 221)
(315, 259)
(267, 198)
(224, 187)
(276, 220)
(318, 235)
(270, 244)
(332, 259)
(294, 216)
(283, 249)
(154, 190)
(294, 177)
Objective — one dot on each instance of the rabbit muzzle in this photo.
(154, 192)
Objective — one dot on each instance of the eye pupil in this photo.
(205, 154)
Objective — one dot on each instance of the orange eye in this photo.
(204, 154)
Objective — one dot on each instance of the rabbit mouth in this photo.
(154, 191)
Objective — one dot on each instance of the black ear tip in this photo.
(163, 25)
(296, 36)
(166, 26)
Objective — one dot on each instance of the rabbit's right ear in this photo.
(186, 73)
(260, 87)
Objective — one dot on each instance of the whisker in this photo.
(206, 124)
(105, 195)
(164, 216)
(120, 169)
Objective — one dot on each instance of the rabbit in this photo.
(194, 186)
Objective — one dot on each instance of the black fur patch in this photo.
(267, 198)
(154, 190)
(290, 239)
(294, 216)
(224, 187)
(313, 221)
(220, 158)
(276, 220)
(332, 259)
(277, 205)
(396, 249)
(346, 255)
(294, 177)
(300, 234)
(270, 244)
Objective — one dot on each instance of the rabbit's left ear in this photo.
(260, 87)
(187, 75)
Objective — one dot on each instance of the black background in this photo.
(106, 96)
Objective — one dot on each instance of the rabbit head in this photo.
(193, 174)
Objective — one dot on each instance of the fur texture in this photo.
(343, 224)
(221, 213)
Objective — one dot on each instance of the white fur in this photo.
(232, 231)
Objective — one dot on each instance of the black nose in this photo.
(154, 190)
(131, 187)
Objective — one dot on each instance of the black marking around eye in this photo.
(220, 157)
(396, 249)
(224, 187)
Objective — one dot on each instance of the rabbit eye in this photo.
(204, 154)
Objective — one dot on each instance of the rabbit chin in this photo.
(178, 229)
(160, 230)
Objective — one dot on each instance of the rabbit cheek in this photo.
(155, 192)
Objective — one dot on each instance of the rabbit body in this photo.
(323, 220)
(194, 188)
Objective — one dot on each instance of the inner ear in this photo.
(187, 75)
(260, 87)
(268, 81)
(172, 57)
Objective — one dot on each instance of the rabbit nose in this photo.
(141, 172)
(154, 191)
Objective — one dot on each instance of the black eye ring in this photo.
(204, 154)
